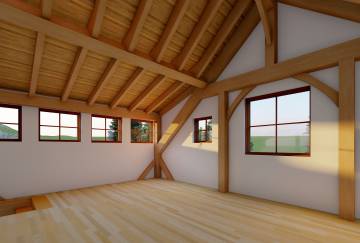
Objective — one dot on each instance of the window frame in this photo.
(109, 117)
(196, 129)
(275, 95)
(61, 112)
(153, 131)
(19, 108)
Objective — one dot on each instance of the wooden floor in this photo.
(164, 211)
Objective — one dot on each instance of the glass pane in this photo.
(262, 139)
(98, 135)
(294, 107)
(68, 133)
(98, 122)
(209, 136)
(49, 133)
(9, 131)
(68, 120)
(141, 131)
(202, 124)
(112, 135)
(49, 118)
(262, 112)
(112, 124)
(209, 124)
(294, 138)
(202, 136)
(9, 115)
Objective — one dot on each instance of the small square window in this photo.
(203, 130)
(142, 131)
(10, 123)
(105, 129)
(59, 126)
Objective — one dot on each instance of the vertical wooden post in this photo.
(271, 50)
(347, 139)
(223, 148)
(157, 153)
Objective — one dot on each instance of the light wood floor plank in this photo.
(166, 211)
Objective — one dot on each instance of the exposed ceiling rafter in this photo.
(145, 94)
(46, 8)
(209, 12)
(132, 37)
(110, 69)
(38, 52)
(74, 72)
(231, 20)
(96, 18)
(63, 33)
(174, 20)
(237, 39)
(128, 85)
(164, 96)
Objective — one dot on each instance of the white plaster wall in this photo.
(249, 57)
(195, 163)
(302, 31)
(305, 181)
(309, 182)
(32, 167)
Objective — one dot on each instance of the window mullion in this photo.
(276, 124)
(105, 129)
(59, 126)
(206, 130)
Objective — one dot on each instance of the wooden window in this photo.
(279, 123)
(203, 130)
(10, 123)
(59, 126)
(105, 129)
(142, 131)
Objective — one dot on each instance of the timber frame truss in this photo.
(343, 55)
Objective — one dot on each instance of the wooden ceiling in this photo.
(136, 54)
(126, 57)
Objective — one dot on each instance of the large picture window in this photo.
(279, 123)
(141, 131)
(203, 130)
(105, 129)
(59, 126)
(10, 123)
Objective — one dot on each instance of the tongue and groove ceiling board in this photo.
(108, 24)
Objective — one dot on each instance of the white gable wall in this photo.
(302, 31)
(309, 182)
